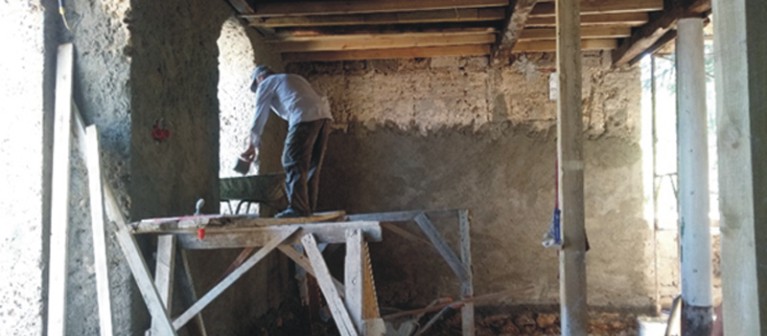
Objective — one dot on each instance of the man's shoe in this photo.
(289, 213)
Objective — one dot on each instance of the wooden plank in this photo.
(101, 264)
(467, 286)
(631, 19)
(394, 53)
(191, 292)
(353, 279)
(531, 34)
(337, 308)
(441, 246)
(356, 7)
(572, 257)
(211, 295)
(514, 26)
(551, 46)
(164, 271)
(402, 216)
(383, 41)
(404, 233)
(302, 261)
(171, 224)
(432, 16)
(331, 233)
(137, 265)
(59, 241)
(647, 36)
(378, 33)
(241, 6)
(588, 7)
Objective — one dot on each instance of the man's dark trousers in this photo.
(302, 159)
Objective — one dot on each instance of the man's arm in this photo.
(263, 106)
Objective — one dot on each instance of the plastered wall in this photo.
(459, 133)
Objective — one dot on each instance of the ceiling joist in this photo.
(390, 53)
(551, 45)
(383, 41)
(618, 19)
(276, 9)
(432, 16)
(588, 7)
(586, 33)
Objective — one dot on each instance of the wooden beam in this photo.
(164, 271)
(137, 264)
(546, 9)
(384, 41)
(175, 224)
(59, 239)
(303, 262)
(101, 264)
(551, 46)
(402, 216)
(332, 297)
(432, 16)
(514, 26)
(189, 290)
(439, 243)
(211, 295)
(531, 34)
(241, 6)
(354, 266)
(394, 53)
(467, 286)
(356, 7)
(328, 232)
(572, 257)
(617, 19)
(647, 35)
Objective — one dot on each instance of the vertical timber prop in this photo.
(695, 231)
(572, 258)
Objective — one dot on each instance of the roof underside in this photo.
(311, 31)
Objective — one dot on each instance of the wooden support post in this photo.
(354, 266)
(572, 258)
(467, 286)
(337, 308)
(59, 242)
(164, 272)
(99, 239)
(440, 244)
(741, 88)
(137, 265)
(695, 228)
(231, 278)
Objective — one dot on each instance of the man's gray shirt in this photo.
(292, 98)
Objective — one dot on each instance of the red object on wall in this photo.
(201, 233)
(159, 132)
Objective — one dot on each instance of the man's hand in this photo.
(250, 154)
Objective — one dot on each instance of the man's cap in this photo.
(257, 72)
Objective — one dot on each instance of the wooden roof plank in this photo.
(390, 53)
(551, 45)
(613, 19)
(383, 42)
(586, 33)
(546, 9)
(432, 16)
(356, 7)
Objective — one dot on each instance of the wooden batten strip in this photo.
(392, 53)
(531, 34)
(433, 16)
(616, 19)
(546, 9)
(384, 42)
(551, 46)
(357, 7)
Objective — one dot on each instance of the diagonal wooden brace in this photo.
(441, 245)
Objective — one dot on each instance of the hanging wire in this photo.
(62, 12)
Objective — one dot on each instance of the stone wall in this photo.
(24, 147)
(457, 133)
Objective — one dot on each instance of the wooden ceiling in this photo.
(311, 31)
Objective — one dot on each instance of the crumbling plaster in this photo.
(460, 133)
